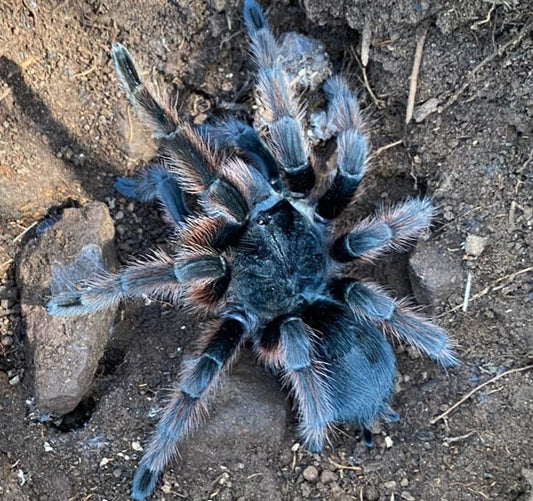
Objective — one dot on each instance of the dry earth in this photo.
(63, 129)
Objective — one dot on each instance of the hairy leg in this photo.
(183, 410)
(156, 183)
(344, 117)
(390, 229)
(220, 186)
(282, 109)
(240, 136)
(157, 276)
(286, 344)
(369, 301)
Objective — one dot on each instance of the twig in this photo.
(20, 235)
(414, 76)
(6, 263)
(490, 288)
(486, 20)
(476, 389)
(5, 94)
(365, 43)
(467, 291)
(458, 439)
(498, 52)
(378, 102)
(344, 466)
(380, 150)
(85, 73)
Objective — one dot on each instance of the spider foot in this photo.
(143, 483)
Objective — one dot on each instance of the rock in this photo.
(249, 410)
(328, 476)
(310, 474)
(63, 353)
(424, 110)
(407, 496)
(434, 274)
(475, 245)
(305, 60)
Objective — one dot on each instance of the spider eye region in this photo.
(263, 219)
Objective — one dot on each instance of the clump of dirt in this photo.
(64, 124)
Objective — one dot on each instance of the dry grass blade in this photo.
(414, 76)
(476, 389)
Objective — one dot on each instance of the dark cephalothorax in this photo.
(260, 254)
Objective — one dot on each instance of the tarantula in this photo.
(260, 253)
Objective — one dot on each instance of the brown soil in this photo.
(63, 120)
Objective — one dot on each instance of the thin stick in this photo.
(18, 237)
(378, 102)
(491, 288)
(498, 52)
(467, 291)
(344, 467)
(414, 76)
(476, 389)
(458, 439)
(486, 20)
(380, 150)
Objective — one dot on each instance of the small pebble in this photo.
(328, 476)
(136, 446)
(310, 474)
(15, 380)
(104, 461)
(475, 245)
(404, 482)
(407, 496)
(388, 442)
(117, 472)
(7, 341)
(391, 484)
(119, 215)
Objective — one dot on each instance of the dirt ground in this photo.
(63, 129)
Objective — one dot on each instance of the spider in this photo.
(261, 255)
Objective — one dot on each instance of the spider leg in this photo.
(240, 136)
(184, 409)
(159, 276)
(370, 302)
(220, 186)
(156, 182)
(282, 109)
(286, 344)
(390, 230)
(344, 117)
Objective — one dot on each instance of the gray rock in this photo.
(63, 353)
(434, 274)
(305, 60)
(249, 410)
(475, 245)
(310, 474)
